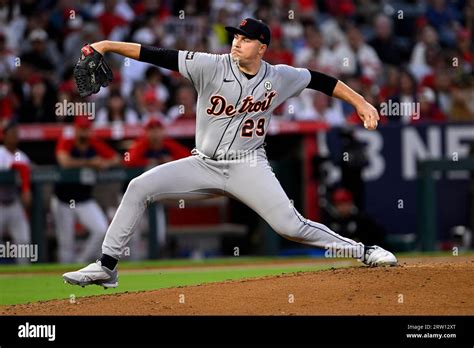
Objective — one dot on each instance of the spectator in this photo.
(407, 95)
(116, 112)
(154, 148)
(462, 109)
(384, 42)
(315, 55)
(443, 17)
(185, 106)
(41, 56)
(113, 17)
(314, 106)
(429, 111)
(391, 83)
(356, 57)
(89, 32)
(277, 53)
(464, 51)
(8, 101)
(418, 61)
(348, 221)
(74, 201)
(152, 107)
(39, 107)
(7, 58)
(133, 70)
(154, 84)
(12, 200)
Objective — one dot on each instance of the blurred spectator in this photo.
(7, 58)
(391, 83)
(464, 51)
(42, 55)
(407, 95)
(152, 107)
(219, 37)
(39, 106)
(429, 111)
(348, 221)
(87, 33)
(113, 17)
(427, 40)
(356, 57)
(314, 106)
(444, 18)
(8, 101)
(442, 86)
(277, 53)
(185, 106)
(74, 201)
(154, 84)
(315, 55)
(462, 109)
(133, 70)
(154, 148)
(12, 200)
(384, 42)
(116, 112)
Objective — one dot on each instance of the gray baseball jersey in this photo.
(233, 113)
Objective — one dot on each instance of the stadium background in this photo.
(411, 180)
(409, 50)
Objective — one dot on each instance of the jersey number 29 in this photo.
(249, 126)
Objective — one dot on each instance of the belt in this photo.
(228, 157)
(196, 152)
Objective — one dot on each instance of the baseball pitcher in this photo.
(237, 93)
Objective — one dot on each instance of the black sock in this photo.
(108, 261)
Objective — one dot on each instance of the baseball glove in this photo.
(91, 72)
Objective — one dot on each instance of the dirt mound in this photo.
(417, 287)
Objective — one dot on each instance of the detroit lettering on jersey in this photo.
(233, 112)
(219, 105)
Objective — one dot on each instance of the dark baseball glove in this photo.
(91, 72)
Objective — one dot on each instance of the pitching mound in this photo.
(433, 286)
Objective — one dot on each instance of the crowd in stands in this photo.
(403, 51)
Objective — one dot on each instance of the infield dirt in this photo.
(424, 286)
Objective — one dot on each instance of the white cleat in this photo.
(94, 273)
(376, 256)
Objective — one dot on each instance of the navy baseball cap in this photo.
(253, 29)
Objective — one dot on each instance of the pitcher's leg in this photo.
(257, 186)
(187, 178)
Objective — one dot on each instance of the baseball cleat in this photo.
(376, 256)
(94, 273)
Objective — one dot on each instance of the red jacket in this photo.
(140, 152)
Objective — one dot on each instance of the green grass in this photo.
(54, 267)
(20, 284)
(22, 288)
